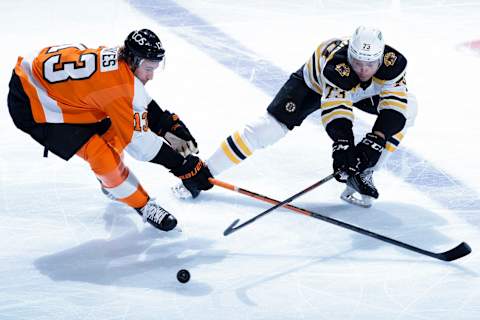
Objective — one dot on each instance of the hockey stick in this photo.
(233, 227)
(459, 251)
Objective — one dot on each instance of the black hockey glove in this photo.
(194, 174)
(177, 134)
(343, 154)
(367, 153)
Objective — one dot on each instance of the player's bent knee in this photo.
(264, 131)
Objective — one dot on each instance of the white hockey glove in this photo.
(180, 145)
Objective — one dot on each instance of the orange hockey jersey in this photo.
(75, 84)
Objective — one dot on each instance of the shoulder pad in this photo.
(338, 71)
(394, 64)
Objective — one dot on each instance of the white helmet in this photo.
(366, 44)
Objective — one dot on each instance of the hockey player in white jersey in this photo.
(342, 74)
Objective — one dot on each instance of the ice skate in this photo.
(360, 190)
(157, 216)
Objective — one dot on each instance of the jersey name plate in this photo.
(108, 59)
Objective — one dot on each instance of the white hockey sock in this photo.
(258, 134)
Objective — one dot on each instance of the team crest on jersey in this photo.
(290, 106)
(389, 59)
(343, 69)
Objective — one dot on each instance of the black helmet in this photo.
(143, 44)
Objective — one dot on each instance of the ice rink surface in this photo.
(67, 252)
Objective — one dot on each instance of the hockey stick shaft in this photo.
(234, 227)
(459, 251)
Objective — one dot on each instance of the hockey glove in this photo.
(367, 153)
(343, 156)
(194, 174)
(177, 134)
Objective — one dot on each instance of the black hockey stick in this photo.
(459, 251)
(233, 227)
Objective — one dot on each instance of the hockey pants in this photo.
(114, 176)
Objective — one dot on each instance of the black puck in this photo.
(183, 276)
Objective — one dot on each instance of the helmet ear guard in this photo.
(366, 44)
(143, 44)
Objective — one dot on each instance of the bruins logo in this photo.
(389, 59)
(290, 106)
(343, 69)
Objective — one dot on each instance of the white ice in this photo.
(67, 252)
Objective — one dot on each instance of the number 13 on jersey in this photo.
(140, 122)
(59, 67)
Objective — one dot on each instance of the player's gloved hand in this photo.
(343, 154)
(367, 153)
(184, 147)
(194, 174)
(177, 134)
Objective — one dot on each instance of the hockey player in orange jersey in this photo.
(93, 103)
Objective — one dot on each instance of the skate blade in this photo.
(364, 202)
(180, 192)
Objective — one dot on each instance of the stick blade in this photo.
(231, 228)
(458, 252)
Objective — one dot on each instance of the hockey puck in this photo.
(183, 276)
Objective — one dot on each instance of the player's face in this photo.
(146, 69)
(365, 69)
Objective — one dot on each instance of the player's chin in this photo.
(363, 79)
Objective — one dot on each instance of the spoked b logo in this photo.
(290, 106)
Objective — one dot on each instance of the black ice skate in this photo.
(361, 183)
(157, 216)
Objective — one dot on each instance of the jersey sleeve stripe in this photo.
(327, 111)
(335, 103)
(394, 98)
(314, 85)
(337, 114)
(396, 93)
(314, 67)
(392, 104)
(378, 81)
